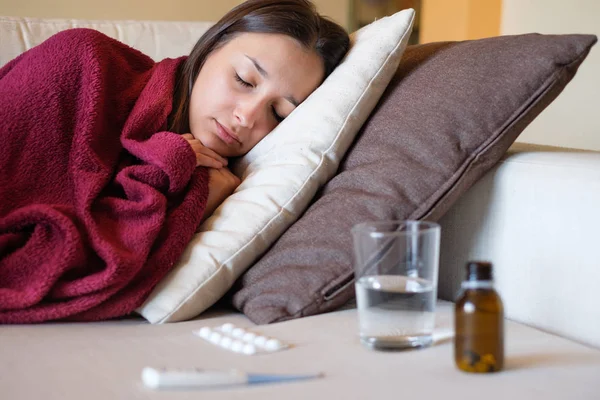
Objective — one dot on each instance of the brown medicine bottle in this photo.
(479, 322)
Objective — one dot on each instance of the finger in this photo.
(202, 154)
(188, 136)
(213, 173)
(231, 176)
(205, 161)
(199, 149)
(211, 153)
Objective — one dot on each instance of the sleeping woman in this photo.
(110, 161)
(246, 75)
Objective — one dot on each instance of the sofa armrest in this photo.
(536, 216)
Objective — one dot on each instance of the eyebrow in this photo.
(265, 74)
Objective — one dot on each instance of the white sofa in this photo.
(535, 216)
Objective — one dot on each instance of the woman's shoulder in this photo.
(76, 37)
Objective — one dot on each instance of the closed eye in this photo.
(277, 117)
(241, 81)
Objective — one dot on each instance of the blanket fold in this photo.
(97, 199)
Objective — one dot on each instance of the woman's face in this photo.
(247, 86)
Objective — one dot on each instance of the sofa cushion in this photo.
(282, 174)
(448, 116)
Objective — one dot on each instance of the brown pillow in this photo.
(449, 114)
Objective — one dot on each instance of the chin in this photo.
(216, 145)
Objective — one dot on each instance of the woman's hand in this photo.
(221, 183)
(205, 157)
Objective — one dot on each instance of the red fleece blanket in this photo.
(97, 200)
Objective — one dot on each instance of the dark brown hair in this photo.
(295, 18)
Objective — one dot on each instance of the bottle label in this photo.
(477, 285)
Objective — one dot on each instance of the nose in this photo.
(247, 111)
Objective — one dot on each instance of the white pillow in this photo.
(282, 173)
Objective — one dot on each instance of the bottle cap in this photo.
(479, 271)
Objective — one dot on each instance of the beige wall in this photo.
(198, 10)
(443, 20)
(338, 10)
(573, 119)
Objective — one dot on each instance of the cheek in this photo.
(219, 93)
(210, 95)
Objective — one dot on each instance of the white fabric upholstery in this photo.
(155, 38)
(536, 216)
(104, 361)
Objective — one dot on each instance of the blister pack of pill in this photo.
(240, 340)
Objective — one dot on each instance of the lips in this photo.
(226, 135)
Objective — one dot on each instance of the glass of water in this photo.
(396, 270)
